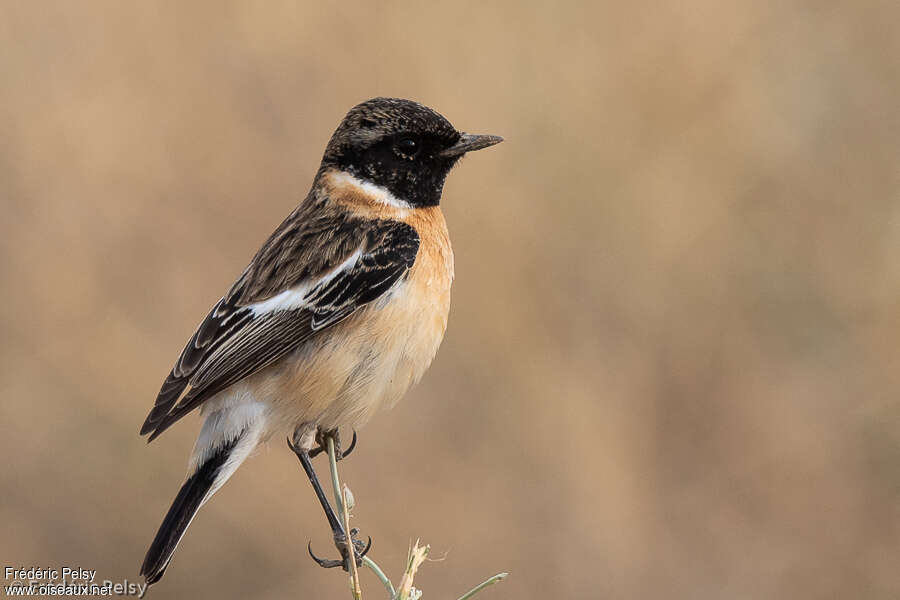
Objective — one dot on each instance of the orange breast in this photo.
(370, 360)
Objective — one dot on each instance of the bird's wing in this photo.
(300, 283)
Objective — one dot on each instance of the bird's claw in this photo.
(323, 445)
(325, 563)
(347, 452)
(359, 551)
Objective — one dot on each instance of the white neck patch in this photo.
(376, 192)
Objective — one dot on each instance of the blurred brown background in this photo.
(672, 363)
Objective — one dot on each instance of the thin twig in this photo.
(380, 575)
(354, 572)
(341, 501)
(335, 480)
(416, 556)
(495, 579)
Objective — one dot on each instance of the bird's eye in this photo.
(407, 146)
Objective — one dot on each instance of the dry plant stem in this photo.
(335, 481)
(416, 557)
(338, 497)
(354, 572)
(495, 579)
(344, 515)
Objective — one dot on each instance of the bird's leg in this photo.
(340, 536)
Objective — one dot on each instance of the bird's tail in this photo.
(227, 439)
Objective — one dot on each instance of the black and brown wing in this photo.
(302, 281)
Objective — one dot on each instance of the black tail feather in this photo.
(183, 509)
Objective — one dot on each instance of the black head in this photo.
(402, 146)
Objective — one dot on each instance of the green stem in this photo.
(339, 500)
(380, 575)
(495, 579)
(335, 482)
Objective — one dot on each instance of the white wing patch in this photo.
(295, 297)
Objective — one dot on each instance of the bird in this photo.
(339, 312)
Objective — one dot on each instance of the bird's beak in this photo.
(469, 142)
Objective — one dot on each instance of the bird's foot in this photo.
(360, 549)
(322, 441)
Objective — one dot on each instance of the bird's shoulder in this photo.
(376, 204)
(319, 236)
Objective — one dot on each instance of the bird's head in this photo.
(402, 146)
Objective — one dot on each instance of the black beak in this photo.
(469, 142)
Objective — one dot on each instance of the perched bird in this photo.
(341, 310)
